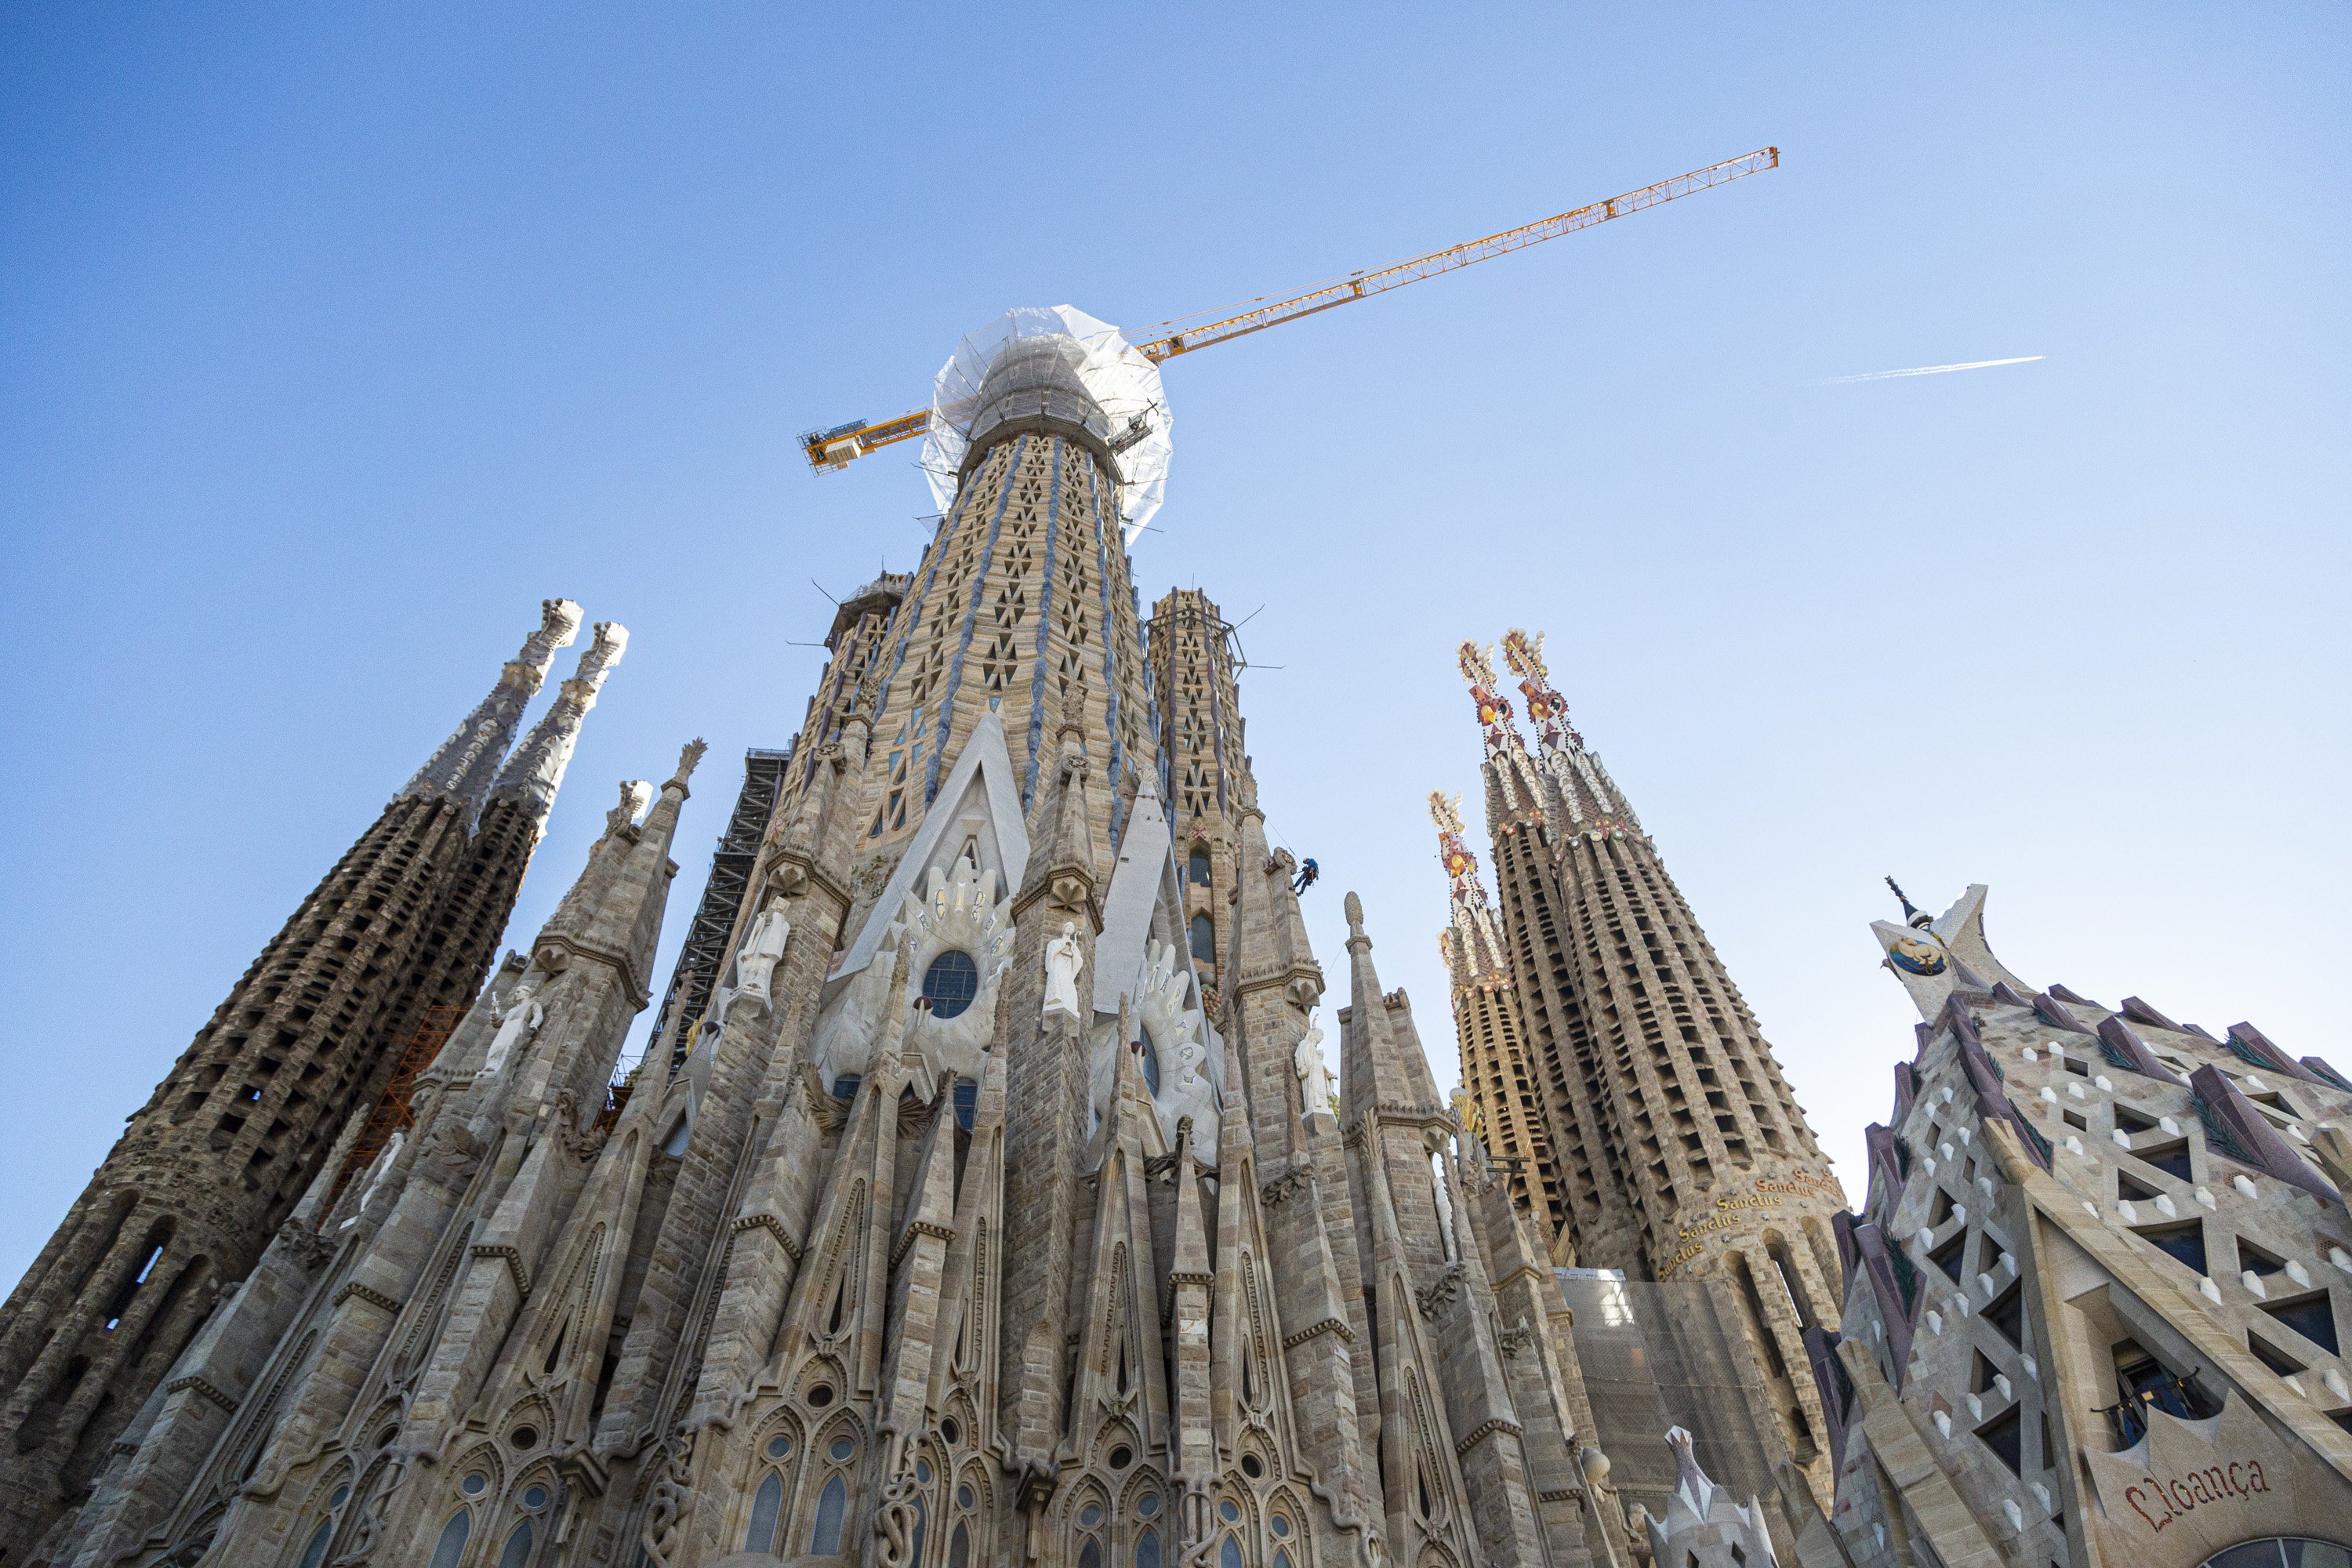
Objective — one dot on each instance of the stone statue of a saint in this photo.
(1064, 959)
(1313, 1076)
(517, 1021)
(1438, 1185)
(761, 948)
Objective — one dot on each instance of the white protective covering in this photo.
(1125, 383)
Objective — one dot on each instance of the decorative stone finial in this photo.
(688, 755)
(1494, 709)
(535, 769)
(1547, 708)
(559, 623)
(467, 764)
(1354, 907)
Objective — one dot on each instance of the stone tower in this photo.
(1694, 1158)
(275, 1087)
(960, 1225)
(1503, 1099)
(2099, 1296)
(1203, 750)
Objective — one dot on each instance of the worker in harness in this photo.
(1307, 871)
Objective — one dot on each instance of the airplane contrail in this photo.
(1930, 370)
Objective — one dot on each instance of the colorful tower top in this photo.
(1494, 709)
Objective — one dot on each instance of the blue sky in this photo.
(332, 339)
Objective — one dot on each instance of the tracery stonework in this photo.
(974, 1202)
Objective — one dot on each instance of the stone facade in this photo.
(265, 1102)
(2095, 1296)
(957, 1221)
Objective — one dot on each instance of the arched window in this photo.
(452, 1544)
(922, 1519)
(1204, 940)
(1091, 1557)
(951, 983)
(1149, 1050)
(518, 1548)
(825, 1540)
(1282, 1559)
(766, 1503)
(1196, 869)
(316, 1553)
(1147, 1549)
(959, 1547)
(1229, 1555)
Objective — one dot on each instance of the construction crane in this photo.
(837, 448)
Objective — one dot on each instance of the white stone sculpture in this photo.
(1313, 1076)
(376, 1173)
(1444, 1206)
(1064, 959)
(760, 949)
(517, 1021)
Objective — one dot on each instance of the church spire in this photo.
(1580, 795)
(1473, 946)
(463, 767)
(535, 770)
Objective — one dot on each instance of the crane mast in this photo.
(837, 448)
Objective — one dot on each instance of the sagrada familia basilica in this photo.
(983, 1197)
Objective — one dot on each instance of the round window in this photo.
(779, 1447)
(966, 1497)
(821, 1395)
(843, 1447)
(1280, 1526)
(950, 1431)
(1148, 1504)
(534, 1497)
(342, 1495)
(472, 1485)
(923, 1471)
(1229, 1511)
(1090, 1516)
(525, 1436)
(1252, 1466)
(951, 983)
(1121, 1457)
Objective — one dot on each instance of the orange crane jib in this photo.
(833, 449)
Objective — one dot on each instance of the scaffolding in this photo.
(704, 957)
(392, 1112)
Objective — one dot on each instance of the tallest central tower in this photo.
(1023, 606)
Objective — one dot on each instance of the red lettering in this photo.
(2255, 1481)
(2236, 1485)
(2131, 1496)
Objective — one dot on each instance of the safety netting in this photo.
(1040, 347)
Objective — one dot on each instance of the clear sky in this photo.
(333, 339)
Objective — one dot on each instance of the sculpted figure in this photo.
(1313, 1076)
(517, 1021)
(761, 948)
(1064, 959)
(376, 1173)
